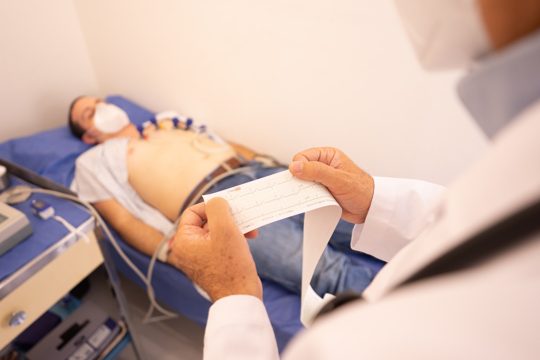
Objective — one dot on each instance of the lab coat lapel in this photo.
(504, 181)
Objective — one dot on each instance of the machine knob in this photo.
(17, 318)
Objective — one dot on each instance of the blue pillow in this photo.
(52, 153)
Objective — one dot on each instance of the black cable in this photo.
(34, 178)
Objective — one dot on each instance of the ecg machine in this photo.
(14, 227)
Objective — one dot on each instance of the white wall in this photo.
(43, 65)
(284, 75)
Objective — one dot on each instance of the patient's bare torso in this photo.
(166, 166)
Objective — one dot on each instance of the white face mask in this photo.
(109, 118)
(445, 33)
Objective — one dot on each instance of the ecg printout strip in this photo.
(272, 198)
(275, 197)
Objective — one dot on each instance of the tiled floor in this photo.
(179, 338)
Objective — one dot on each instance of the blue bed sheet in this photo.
(53, 153)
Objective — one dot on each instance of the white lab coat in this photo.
(488, 312)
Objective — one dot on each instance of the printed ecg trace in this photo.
(273, 198)
(279, 196)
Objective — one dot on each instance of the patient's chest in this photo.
(164, 168)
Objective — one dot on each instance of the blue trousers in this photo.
(277, 250)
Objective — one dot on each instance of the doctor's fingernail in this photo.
(297, 166)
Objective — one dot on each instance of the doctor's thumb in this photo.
(316, 171)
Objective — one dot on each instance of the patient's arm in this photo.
(250, 154)
(243, 151)
(141, 236)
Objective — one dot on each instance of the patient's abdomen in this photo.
(164, 168)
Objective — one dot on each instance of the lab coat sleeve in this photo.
(400, 210)
(238, 327)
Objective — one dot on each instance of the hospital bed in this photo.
(52, 154)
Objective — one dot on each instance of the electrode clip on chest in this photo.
(169, 120)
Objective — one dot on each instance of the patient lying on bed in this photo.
(141, 179)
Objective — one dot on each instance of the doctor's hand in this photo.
(210, 249)
(351, 186)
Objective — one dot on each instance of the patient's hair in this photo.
(75, 128)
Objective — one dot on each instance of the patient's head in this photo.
(94, 121)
